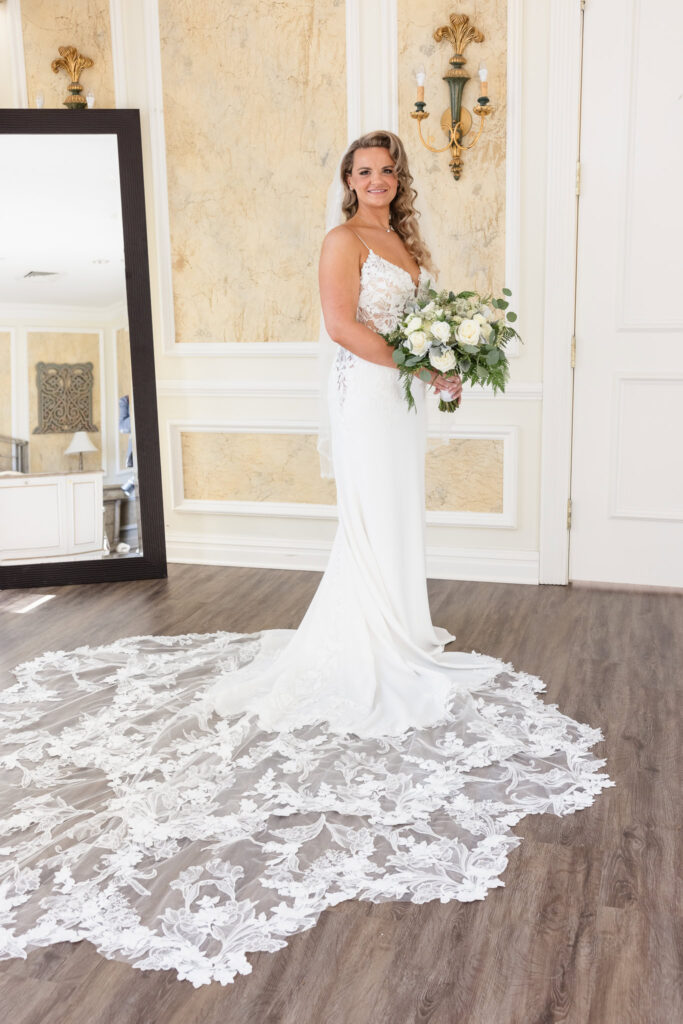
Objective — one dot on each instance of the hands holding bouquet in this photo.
(460, 335)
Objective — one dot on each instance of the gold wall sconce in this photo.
(73, 62)
(456, 121)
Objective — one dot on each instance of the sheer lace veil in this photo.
(439, 423)
(326, 347)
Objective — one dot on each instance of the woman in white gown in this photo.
(183, 801)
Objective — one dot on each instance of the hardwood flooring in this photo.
(587, 929)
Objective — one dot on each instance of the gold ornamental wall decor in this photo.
(456, 121)
(73, 62)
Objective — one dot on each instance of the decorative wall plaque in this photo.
(64, 398)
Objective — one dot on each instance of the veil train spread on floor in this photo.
(183, 801)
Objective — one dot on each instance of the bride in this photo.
(183, 801)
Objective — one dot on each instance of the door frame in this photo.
(564, 119)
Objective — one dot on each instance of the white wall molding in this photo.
(623, 406)
(485, 565)
(560, 261)
(70, 316)
(513, 161)
(372, 71)
(242, 349)
(353, 76)
(530, 391)
(509, 435)
(13, 75)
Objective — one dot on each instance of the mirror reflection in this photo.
(68, 468)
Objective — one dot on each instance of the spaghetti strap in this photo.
(360, 240)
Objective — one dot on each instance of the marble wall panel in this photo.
(465, 476)
(49, 24)
(253, 467)
(255, 119)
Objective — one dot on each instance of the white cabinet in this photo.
(51, 516)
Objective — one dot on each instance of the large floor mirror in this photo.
(80, 482)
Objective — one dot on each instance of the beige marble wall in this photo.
(253, 467)
(255, 119)
(463, 476)
(49, 24)
(467, 216)
(5, 387)
(125, 387)
(46, 451)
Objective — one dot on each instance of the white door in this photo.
(627, 445)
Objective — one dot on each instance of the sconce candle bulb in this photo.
(483, 79)
(420, 77)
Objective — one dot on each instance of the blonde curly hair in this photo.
(402, 213)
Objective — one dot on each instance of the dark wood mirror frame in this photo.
(125, 124)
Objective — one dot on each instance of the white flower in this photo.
(442, 359)
(484, 327)
(487, 312)
(468, 332)
(414, 324)
(429, 308)
(418, 342)
(441, 331)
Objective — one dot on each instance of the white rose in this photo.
(484, 327)
(487, 311)
(441, 331)
(414, 324)
(442, 359)
(429, 308)
(468, 332)
(418, 342)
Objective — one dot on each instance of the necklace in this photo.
(383, 229)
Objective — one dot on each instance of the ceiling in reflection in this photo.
(60, 213)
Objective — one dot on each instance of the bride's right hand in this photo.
(452, 384)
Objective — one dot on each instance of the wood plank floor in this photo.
(587, 929)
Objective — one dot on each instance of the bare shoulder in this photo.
(340, 240)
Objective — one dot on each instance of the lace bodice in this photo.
(385, 288)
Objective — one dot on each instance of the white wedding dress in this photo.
(183, 801)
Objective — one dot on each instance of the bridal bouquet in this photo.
(463, 334)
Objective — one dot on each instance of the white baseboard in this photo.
(483, 565)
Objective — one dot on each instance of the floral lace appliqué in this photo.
(384, 291)
(170, 840)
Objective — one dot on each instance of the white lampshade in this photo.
(80, 443)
